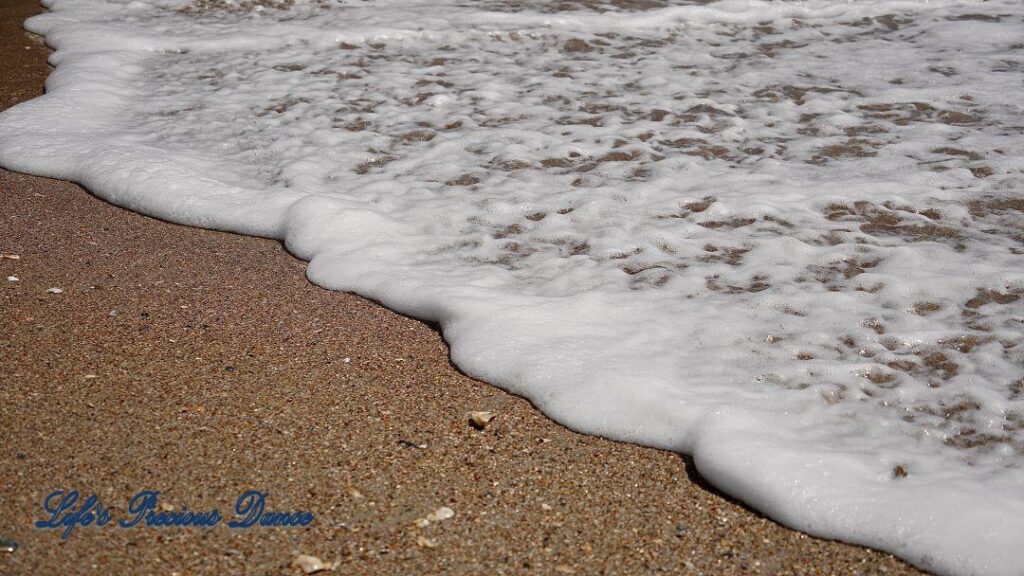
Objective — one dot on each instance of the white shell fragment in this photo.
(310, 564)
(480, 419)
(442, 513)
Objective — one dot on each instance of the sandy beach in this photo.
(140, 355)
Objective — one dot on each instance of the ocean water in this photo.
(784, 237)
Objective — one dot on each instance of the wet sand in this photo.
(204, 364)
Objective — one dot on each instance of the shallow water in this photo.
(787, 238)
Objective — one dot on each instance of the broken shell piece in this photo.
(54, 290)
(480, 419)
(442, 513)
(310, 564)
(10, 256)
(424, 542)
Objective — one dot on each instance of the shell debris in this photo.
(424, 542)
(479, 419)
(442, 513)
(311, 564)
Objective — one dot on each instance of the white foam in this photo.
(779, 236)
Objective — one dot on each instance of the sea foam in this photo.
(784, 237)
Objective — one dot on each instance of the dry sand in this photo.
(202, 364)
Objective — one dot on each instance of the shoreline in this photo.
(203, 364)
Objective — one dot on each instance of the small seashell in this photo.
(442, 513)
(480, 419)
(54, 290)
(310, 564)
(424, 542)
